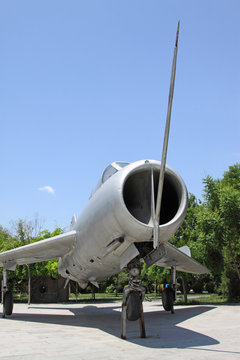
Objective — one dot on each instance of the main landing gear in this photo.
(169, 292)
(7, 296)
(133, 296)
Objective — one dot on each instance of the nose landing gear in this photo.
(133, 296)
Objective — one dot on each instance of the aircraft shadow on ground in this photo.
(161, 327)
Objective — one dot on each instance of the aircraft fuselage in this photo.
(118, 217)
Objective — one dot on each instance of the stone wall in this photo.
(45, 289)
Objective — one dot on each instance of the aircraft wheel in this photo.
(134, 306)
(8, 303)
(168, 299)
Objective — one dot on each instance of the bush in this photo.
(230, 285)
(210, 287)
(110, 289)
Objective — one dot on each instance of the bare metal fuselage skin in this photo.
(118, 218)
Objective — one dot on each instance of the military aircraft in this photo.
(129, 218)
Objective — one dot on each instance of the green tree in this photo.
(219, 229)
(152, 277)
(7, 241)
(187, 234)
(117, 282)
(24, 231)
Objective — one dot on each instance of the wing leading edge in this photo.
(43, 250)
(182, 261)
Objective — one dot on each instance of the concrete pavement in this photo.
(92, 331)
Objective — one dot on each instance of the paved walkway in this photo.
(92, 331)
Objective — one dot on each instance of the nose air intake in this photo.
(137, 195)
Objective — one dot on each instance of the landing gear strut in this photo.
(133, 296)
(7, 296)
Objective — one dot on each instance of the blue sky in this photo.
(85, 83)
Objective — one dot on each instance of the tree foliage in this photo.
(23, 235)
(219, 227)
(212, 231)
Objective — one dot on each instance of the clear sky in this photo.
(85, 83)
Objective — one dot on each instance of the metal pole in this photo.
(124, 320)
(4, 290)
(142, 325)
(166, 134)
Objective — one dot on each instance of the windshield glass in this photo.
(108, 172)
(122, 164)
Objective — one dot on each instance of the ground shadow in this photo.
(161, 327)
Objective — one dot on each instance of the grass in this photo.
(193, 299)
(98, 297)
(202, 299)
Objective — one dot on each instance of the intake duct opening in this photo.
(137, 195)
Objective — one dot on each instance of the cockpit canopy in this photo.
(108, 172)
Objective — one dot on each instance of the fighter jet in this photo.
(129, 219)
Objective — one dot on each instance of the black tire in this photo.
(8, 302)
(168, 299)
(134, 306)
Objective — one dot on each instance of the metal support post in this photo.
(174, 279)
(142, 325)
(173, 285)
(4, 290)
(124, 320)
(1, 291)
